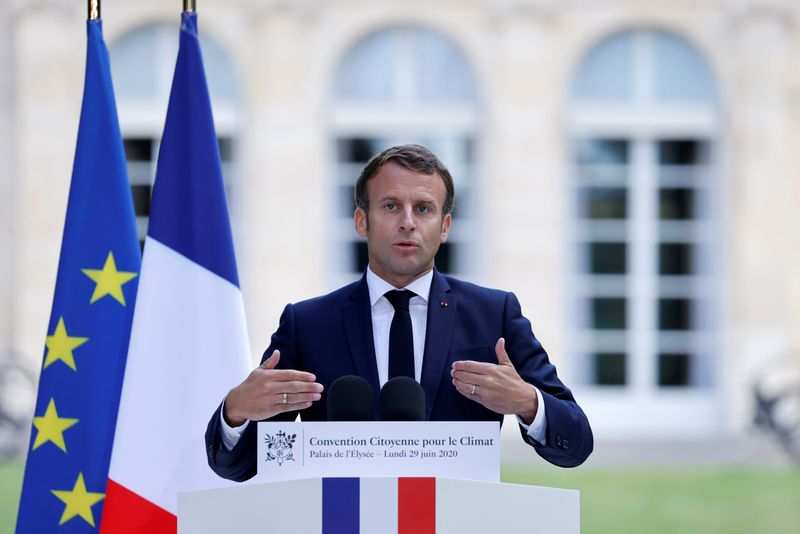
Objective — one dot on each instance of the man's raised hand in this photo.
(496, 386)
(267, 392)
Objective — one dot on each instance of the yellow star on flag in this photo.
(51, 427)
(78, 501)
(109, 280)
(60, 346)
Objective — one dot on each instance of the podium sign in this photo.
(467, 450)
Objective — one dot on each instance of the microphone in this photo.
(402, 399)
(350, 399)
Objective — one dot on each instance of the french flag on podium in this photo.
(378, 505)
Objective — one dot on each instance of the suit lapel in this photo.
(357, 317)
(442, 307)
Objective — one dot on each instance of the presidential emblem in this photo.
(279, 447)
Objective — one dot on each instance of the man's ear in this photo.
(446, 226)
(360, 222)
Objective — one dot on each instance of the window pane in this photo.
(405, 65)
(681, 73)
(141, 199)
(682, 152)
(377, 54)
(675, 258)
(609, 369)
(608, 313)
(358, 149)
(676, 203)
(673, 369)
(442, 74)
(360, 256)
(138, 149)
(445, 257)
(225, 148)
(674, 314)
(347, 204)
(606, 74)
(604, 203)
(607, 258)
(605, 151)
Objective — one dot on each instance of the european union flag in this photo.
(87, 339)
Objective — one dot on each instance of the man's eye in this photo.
(390, 206)
(423, 209)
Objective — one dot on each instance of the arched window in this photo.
(403, 85)
(142, 67)
(644, 157)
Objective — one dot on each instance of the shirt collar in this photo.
(378, 286)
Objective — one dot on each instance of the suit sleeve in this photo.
(569, 439)
(239, 464)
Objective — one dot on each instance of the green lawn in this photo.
(677, 500)
(674, 501)
(10, 486)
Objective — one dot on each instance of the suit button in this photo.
(565, 444)
(558, 441)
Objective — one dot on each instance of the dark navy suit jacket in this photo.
(331, 336)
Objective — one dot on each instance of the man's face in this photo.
(404, 227)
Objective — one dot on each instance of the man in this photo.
(470, 347)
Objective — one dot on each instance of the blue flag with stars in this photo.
(66, 471)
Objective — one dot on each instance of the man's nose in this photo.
(407, 219)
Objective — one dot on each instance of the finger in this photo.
(466, 389)
(470, 378)
(290, 375)
(296, 387)
(272, 361)
(300, 398)
(502, 355)
(473, 366)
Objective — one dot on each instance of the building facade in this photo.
(629, 168)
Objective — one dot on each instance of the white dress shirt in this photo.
(382, 314)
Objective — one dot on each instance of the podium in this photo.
(379, 506)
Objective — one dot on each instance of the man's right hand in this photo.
(269, 391)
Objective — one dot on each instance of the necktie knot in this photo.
(399, 298)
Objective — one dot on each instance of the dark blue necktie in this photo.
(401, 340)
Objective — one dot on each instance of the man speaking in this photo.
(469, 347)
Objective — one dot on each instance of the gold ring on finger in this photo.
(474, 387)
(286, 398)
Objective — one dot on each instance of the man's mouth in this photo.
(406, 245)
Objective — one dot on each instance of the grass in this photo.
(620, 501)
(10, 487)
(677, 501)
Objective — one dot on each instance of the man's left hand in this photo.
(498, 387)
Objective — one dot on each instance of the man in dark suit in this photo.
(470, 347)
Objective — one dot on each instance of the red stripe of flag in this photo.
(416, 505)
(125, 511)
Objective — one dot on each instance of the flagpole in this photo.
(94, 9)
(189, 6)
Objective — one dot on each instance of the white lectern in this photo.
(378, 506)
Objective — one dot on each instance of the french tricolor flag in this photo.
(188, 343)
(378, 505)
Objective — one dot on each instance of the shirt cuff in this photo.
(537, 430)
(231, 435)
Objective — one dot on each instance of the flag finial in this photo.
(94, 9)
(189, 6)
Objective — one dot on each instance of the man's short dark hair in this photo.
(413, 157)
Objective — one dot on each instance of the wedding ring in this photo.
(286, 398)
(474, 387)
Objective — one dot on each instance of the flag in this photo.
(189, 340)
(87, 338)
